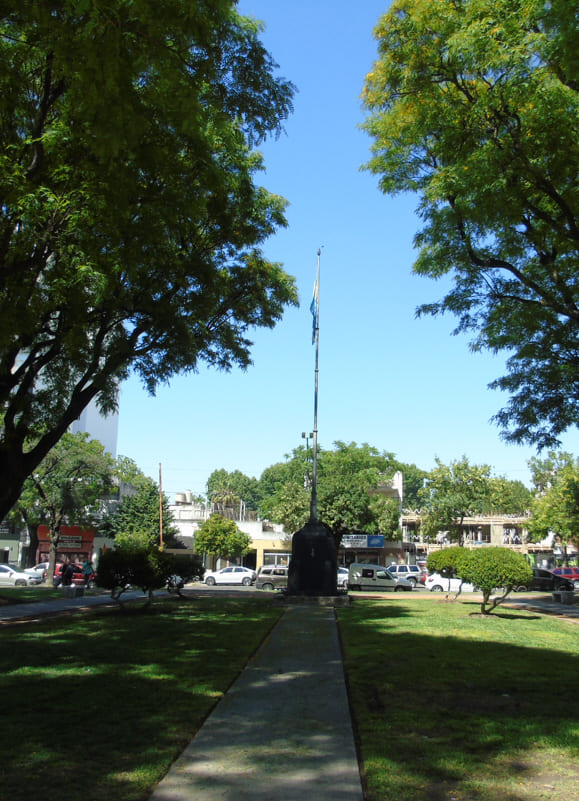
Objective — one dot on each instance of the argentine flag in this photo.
(315, 306)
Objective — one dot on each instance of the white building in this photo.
(270, 543)
(97, 426)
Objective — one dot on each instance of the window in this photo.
(276, 558)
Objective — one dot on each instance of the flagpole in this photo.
(316, 339)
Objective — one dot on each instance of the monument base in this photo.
(313, 568)
(314, 600)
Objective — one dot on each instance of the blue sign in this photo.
(375, 540)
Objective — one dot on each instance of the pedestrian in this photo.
(67, 574)
(87, 571)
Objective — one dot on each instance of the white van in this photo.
(375, 577)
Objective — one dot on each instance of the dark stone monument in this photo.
(313, 569)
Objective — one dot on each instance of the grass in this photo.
(97, 706)
(450, 705)
(42, 592)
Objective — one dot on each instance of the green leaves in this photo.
(132, 220)
(453, 492)
(221, 538)
(492, 569)
(555, 506)
(353, 489)
(474, 106)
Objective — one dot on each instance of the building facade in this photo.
(270, 545)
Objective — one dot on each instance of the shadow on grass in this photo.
(98, 706)
(450, 704)
(447, 705)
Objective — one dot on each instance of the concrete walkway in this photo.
(283, 731)
(37, 609)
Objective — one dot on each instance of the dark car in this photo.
(77, 577)
(548, 581)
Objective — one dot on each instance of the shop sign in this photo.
(355, 541)
(66, 541)
(375, 540)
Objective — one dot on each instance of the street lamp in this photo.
(307, 438)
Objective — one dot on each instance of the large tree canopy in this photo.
(130, 217)
(453, 492)
(350, 480)
(474, 106)
(555, 506)
(69, 486)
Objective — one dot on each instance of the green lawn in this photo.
(97, 706)
(453, 706)
(448, 705)
(42, 592)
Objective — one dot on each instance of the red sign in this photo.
(72, 539)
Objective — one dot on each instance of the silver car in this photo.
(410, 572)
(38, 570)
(14, 577)
(375, 577)
(230, 575)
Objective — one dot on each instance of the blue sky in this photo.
(399, 383)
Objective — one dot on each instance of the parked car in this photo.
(548, 580)
(231, 575)
(77, 577)
(343, 576)
(14, 577)
(375, 577)
(570, 573)
(271, 577)
(437, 583)
(38, 570)
(412, 573)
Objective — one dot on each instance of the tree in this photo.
(453, 492)
(495, 568)
(474, 107)
(68, 487)
(385, 517)
(448, 563)
(137, 562)
(129, 241)
(508, 497)
(138, 514)
(349, 481)
(234, 487)
(221, 538)
(555, 506)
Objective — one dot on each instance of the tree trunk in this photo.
(33, 547)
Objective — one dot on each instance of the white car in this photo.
(14, 577)
(343, 574)
(38, 570)
(231, 575)
(438, 583)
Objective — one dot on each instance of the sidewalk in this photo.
(283, 730)
(543, 603)
(37, 609)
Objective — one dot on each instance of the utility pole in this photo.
(161, 543)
